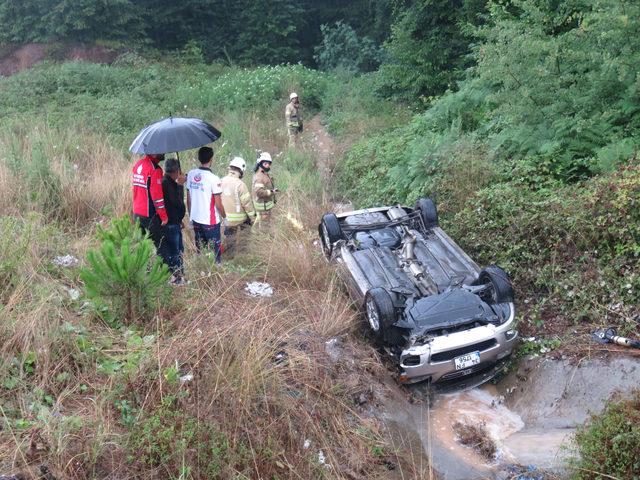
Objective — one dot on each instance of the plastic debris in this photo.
(66, 261)
(73, 293)
(259, 289)
(333, 349)
(186, 378)
(281, 356)
(307, 444)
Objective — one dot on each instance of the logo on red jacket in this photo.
(139, 170)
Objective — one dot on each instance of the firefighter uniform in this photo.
(264, 198)
(293, 117)
(237, 201)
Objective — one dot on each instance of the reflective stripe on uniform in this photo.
(236, 217)
(264, 206)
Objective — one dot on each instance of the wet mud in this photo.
(531, 415)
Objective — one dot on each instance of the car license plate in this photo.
(468, 360)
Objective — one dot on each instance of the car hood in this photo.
(452, 308)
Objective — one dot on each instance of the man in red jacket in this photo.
(148, 199)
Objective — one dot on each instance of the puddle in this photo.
(531, 416)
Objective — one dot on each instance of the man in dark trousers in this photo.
(172, 246)
(148, 200)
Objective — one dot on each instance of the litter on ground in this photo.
(66, 261)
(258, 289)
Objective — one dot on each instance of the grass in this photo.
(215, 384)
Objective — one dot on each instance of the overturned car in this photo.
(436, 312)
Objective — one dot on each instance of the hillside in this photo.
(520, 119)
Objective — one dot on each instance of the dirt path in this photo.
(324, 146)
(327, 153)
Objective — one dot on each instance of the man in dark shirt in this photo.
(172, 247)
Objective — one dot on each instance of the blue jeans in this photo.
(171, 248)
(207, 237)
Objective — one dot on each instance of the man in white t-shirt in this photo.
(205, 203)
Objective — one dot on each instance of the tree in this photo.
(265, 32)
(428, 49)
(91, 20)
(23, 21)
(342, 48)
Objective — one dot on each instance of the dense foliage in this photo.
(554, 95)
(428, 48)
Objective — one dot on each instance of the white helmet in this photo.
(293, 95)
(239, 163)
(264, 157)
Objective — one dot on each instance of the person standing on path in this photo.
(237, 203)
(172, 246)
(204, 202)
(293, 118)
(264, 191)
(148, 198)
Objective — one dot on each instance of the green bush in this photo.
(610, 442)
(555, 241)
(122, 100)
(124, 274)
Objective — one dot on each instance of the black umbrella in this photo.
(174, 134)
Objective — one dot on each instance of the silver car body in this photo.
(435, 359)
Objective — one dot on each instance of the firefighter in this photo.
(236, 200)
(264, 191)
(148, 199)
(293, 117)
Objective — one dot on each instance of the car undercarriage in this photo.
(425, 300)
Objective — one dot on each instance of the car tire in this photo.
(379, 310)
(501, 289)
(329, 231)
(428, 212)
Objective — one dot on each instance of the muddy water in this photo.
(531, 416)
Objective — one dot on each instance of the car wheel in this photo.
(428, 212)
(501, 290)
(330, 232)
(379, 309)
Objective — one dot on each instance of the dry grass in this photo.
(63, 173)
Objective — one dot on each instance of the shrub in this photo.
(610, 442)
(555, 240)
(124, 275)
